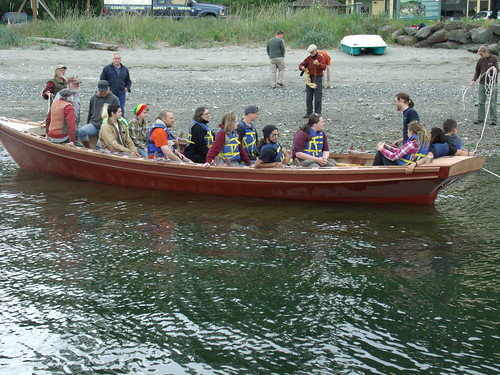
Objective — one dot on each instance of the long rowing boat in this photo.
(353, 180)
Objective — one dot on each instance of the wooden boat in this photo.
(356, 44)
(353, 180)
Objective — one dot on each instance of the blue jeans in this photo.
(122, 97)
(142, 152)
(87, 131)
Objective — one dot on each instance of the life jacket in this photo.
(314, 147)
(441, 149)
(422, 152)
(277, 148)
(58, 127)
(249, 139)
(231, 151)
(152, 149)
(209, 137)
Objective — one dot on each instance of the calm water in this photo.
(98, 279)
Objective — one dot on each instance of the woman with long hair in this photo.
(310, 145)
(271, 154)
(414, 149)
(227, 146)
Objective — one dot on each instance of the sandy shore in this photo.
(359, 110)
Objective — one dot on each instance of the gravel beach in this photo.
(359, 110)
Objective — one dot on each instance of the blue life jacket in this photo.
(249, 139)
(314, 147)
(152, 149)
(277, 148)
(231, 151)
(441, 149)
(422, 152)
(209, 137)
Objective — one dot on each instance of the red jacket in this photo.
(314, 70)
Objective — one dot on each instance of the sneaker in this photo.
(281, 84)
(273, 86)
(477, 122)
(306, 115)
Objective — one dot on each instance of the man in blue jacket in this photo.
(118, 78)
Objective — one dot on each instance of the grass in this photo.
(245, 27)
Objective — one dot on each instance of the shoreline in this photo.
(359, 111)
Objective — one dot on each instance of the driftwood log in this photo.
(71, 43)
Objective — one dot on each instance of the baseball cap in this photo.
(482, 48)
(252, 108)
(312, 48)
(61, 66)
(103, 85)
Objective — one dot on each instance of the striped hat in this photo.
(139, 108)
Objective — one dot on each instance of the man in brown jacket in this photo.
(114, 134)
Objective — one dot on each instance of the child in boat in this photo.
(415, 148)
(439, 147)
(451, 133)
(271, 154)
(227, 146)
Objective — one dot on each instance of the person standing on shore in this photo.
(485, 62)
(328, 62)
(118, 78)
(56, 84)
(405, 105)
(315, 64)
(276, 53)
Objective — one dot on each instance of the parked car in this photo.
(10, 16)
(164, 8)
(482, 15)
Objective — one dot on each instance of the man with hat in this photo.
(483, 73)
(248, 133)
(314, 64)
(102, 98)
(74, 86)
(56, 84)
(60, 122)
(271, 154)
(139, 128)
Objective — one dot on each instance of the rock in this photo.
(481, 35)
(495, 28)
(410, 30)
(423, 44)
(437, 26)
(438, 37)
(454, 25)
(446, 45)
(405, 40)
(387, 30)
(396, 34)
(423, 33)
(378, 116)
(459, 35)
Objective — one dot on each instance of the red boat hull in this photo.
(343, 184)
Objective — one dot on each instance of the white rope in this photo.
(494, 174)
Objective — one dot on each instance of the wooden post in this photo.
(87, 10)
(34, 4)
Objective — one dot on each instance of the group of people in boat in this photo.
(236, 142)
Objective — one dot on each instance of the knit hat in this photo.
(312, 48)
(103, 85)
(139, 108)
(65, 93)
(252, 108)
(267, 130)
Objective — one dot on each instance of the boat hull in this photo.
(342, 184)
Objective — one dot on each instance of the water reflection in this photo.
(99, 278)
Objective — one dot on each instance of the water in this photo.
(99, 279)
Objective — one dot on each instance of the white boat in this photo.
(356, 44)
